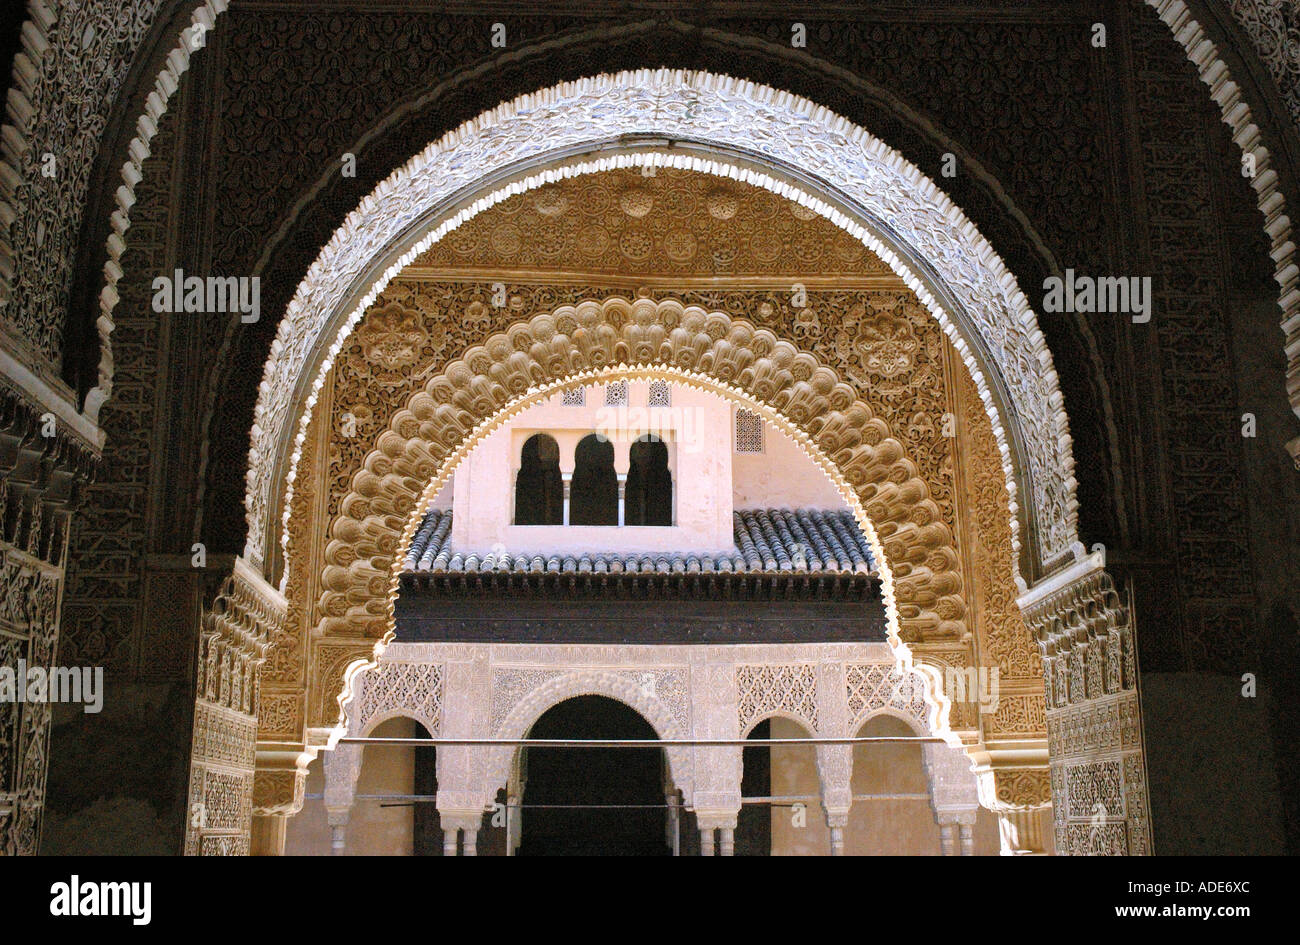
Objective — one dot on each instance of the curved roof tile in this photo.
(766, 541)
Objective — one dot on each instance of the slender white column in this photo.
(946, 840)
(726, 841)
(338, 835)
(837, 840)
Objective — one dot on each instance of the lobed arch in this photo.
(810, 730)
(532, 361)
(396, 689)
(835, 169)
(641, 339)
(908, 696)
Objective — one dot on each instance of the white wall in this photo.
(780, 477)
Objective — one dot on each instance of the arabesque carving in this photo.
(237, 631)
(1098, 775)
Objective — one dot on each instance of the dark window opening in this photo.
(649, 496)
(593, 494)
(539, 490)
(754, 824)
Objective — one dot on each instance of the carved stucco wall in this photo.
(75, 59)
(29, 625)
(1099, 781)
(69, 75)
(675, 223)
(1274, 31)
(237, 629)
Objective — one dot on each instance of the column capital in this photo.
(459, 819)
(279, 783)
(717, 819)
(1025, 832)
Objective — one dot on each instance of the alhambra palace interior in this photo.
(661, 371)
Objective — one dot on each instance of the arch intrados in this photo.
(916, 272)
(580, 695)
(912, 724)
(521, 719)
(368, 726)
(937, 703)
(808, 729)
(676, 375)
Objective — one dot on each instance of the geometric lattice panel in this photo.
(749, 431)
(872, 686)
(765, 689)
(411, 688)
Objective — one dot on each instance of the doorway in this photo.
(593, 801)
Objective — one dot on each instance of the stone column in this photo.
(726, 841)
(673, 822)
(237, 629)
(954, 797)
(1098, 769)
(465, 822)
(835, 772)
(342, 769)
(467, 775)
(712, 790)
(706, 841)
(834, 762)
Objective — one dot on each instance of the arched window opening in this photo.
(649, 496)
(539, 490)
(593, 494)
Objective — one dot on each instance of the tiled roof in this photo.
(766, 541)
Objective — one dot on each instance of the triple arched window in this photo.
(597, 494)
